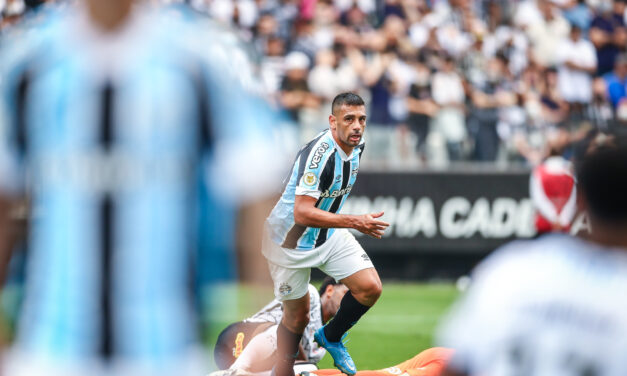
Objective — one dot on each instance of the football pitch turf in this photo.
(399, 326)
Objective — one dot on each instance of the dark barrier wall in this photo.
(439, 213)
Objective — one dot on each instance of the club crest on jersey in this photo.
(337, 192)
(315, 161)
(310, 179)
(285, 289)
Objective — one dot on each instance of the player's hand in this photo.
(369, 224)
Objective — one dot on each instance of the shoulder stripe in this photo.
(326, 177)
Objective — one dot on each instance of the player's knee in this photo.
(370, 292)
(297, 320)
(374, 290)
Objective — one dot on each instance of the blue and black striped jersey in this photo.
(115, 134)
(321, 170)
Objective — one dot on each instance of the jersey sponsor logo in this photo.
(336, 192)
(239, 345)
(354, 171)
(310, 179)
(338, 178)
(315, 161)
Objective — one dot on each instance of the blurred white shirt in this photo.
(575, 85)
(553, 306)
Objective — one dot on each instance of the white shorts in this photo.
(339, 257)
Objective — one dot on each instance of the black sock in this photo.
(287, 351)
(349, 313)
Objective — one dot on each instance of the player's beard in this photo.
(353, 142)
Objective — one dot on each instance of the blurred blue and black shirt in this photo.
(114, 137)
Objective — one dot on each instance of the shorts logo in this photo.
(315, 161)
(285, 289)
(310, 179)
(365, 257)
(239, 345)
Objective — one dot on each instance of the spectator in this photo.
(295, 94)
(577, 62)
(616, 80)
(607, 33)
(448, 93)
(578, 13)
(332, 75)
(487, 97)
(273, 64)
(547, 33)
(421, 107)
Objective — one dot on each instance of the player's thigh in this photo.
(344, 256)
(289, 283)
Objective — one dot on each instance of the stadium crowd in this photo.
(445, 80)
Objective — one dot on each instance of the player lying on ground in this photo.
(430, 362)
(250, 345)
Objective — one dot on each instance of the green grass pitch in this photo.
(399, 326)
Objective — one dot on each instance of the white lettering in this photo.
(478, 219)
(459, 218)
(410, 221)
(450, 226)
(503, 217)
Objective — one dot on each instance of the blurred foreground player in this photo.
(305, 230)
(111, 127)
(250, 345)
(555, 305)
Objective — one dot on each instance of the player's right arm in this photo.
(306, 214)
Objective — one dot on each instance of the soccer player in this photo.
(305, 230)
(430, 362)
(556, 305)
(250, 345)
(112, 125)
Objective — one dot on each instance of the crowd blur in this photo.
(444, 80)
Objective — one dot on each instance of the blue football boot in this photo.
(341, 359)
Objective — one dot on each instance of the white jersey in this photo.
(273, 312)
(555, 306)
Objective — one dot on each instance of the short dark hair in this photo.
(327, 281)
(349, 99)
(602, 178)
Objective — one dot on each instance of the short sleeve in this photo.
(314, 166)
